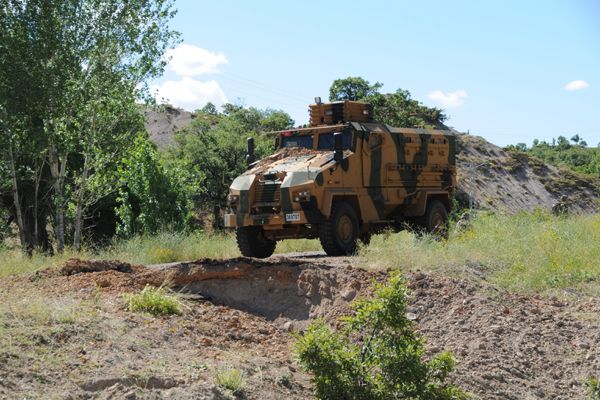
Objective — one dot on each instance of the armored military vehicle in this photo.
(341, 179)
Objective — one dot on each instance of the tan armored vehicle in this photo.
(340, 180)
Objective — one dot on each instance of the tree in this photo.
(563, 143)
(108, 120)
(376, 353)
(352, 88)
(396, 109)
(61, 60)
(578, 157)
(399, 109)
(212, 150)
(521, 147)
(575, 139)
(151, 197)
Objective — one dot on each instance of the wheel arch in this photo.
(332, 197)
(422, 199)
(444, 198)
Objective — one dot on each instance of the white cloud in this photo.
(189, 60)
(449, 100)
(576, 85)
(189, 93)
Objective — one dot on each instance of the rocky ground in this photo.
(66, 334)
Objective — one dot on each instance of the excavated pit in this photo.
(283, 288)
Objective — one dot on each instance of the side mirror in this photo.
(249, 150)
(338, 147)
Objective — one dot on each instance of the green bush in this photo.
(153, 301)
(376, 354)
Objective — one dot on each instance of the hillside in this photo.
(488, 176)
(493, 178)
(163, 122)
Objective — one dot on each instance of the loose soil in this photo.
(242, 313)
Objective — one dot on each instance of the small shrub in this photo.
(285, 380)
(376, 354)
(153, 301)
(230, 379)
(593, 385)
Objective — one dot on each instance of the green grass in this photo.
(231, 379)
(526, 252)
(14, 262)
(161, 248)
(154, 301)
(593, 385)
(169, 247)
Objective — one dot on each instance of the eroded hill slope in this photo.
(490, 177)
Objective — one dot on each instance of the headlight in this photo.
(302, 196)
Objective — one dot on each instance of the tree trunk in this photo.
(17, 201)
(36, 226)
(57, 170)
(80, 199)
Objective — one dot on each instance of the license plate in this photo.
(291, 217)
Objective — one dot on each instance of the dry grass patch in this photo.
(528, 252)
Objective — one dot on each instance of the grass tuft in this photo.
(230, 379)
(153, 301)
(593, 386)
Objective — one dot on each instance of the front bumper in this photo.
(265, 220)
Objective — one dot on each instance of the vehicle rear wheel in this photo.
(252, 242)
(435, 220)
(339, 234)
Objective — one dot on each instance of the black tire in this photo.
(435, 220)
(252, 242)
(339, 234)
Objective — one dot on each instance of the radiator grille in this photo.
(267, 193)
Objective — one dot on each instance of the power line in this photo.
(266, 87)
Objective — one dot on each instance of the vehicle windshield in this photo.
(325, 141)
(305, 141)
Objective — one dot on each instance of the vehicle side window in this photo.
(326, 141)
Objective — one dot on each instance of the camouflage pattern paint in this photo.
(388, 173)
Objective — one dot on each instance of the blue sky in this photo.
(499, 69)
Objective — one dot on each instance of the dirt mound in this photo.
(509, 346)
(78, 266)
(491, 178)
(279, 289)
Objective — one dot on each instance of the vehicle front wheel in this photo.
(252, 242)
(339, 234)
